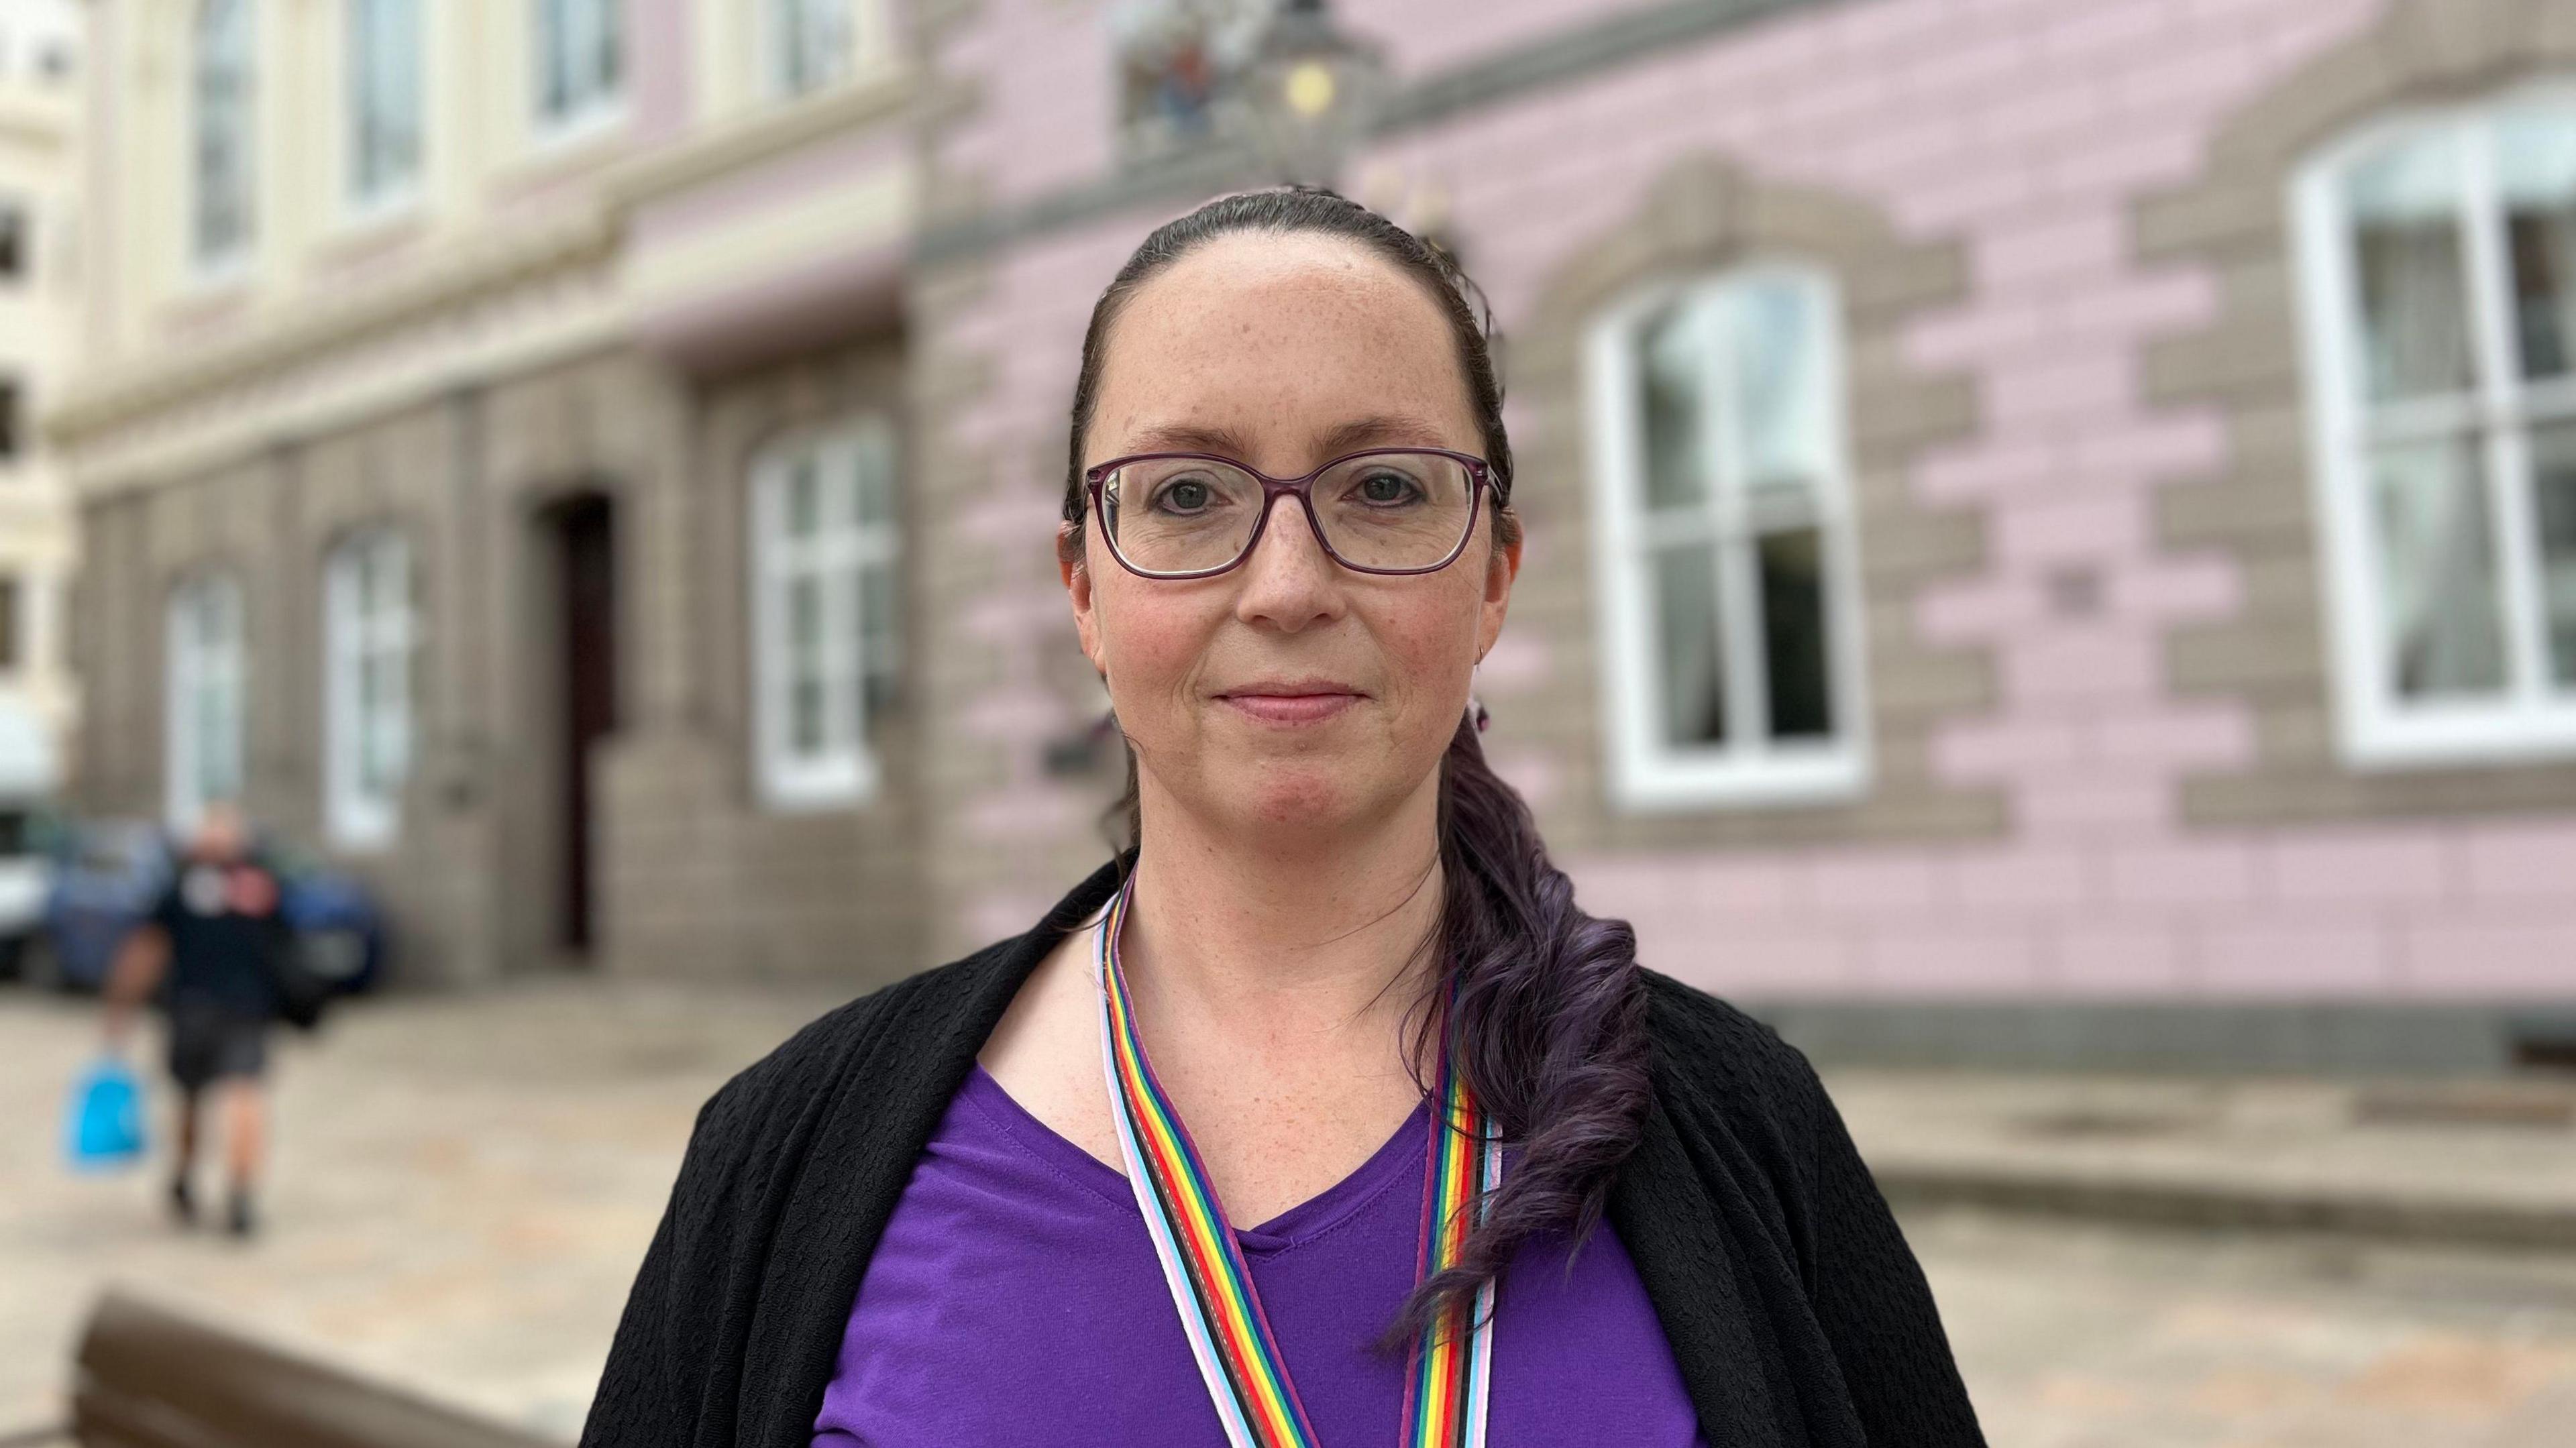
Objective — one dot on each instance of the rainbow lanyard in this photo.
(1220, 1311)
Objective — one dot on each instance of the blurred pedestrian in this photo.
(215, 933)
(1502, 1174)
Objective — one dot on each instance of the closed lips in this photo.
(1292, 701)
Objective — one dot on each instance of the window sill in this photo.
(841, 791)
(2458, 739)
(208, 296)
(556, 149)
(370, 229)
(1672, 785)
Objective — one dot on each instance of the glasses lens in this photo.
(1179, 515)
(1395, 509)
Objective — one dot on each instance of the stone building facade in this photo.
(2047, 536)
(419, 441)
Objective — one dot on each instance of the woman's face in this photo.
(1289, 693)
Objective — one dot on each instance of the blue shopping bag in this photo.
(104, 1127)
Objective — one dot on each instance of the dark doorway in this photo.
(583, 534)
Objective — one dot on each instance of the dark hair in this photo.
(1547, 1017)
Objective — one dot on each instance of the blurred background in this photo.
(2051, 577)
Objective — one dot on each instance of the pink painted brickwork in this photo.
(2026, 130)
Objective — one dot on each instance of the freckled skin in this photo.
(1280, 340)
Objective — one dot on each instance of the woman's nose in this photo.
(1289, 581)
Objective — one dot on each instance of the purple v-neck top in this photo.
(1015, 1302)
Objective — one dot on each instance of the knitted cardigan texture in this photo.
(1795, 1311)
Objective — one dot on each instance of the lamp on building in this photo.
(1314, 90)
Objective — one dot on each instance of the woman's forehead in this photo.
(1255, 336)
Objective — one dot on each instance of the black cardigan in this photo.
(1795, 1311)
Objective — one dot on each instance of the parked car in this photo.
(27, 781)
(338, 928)
(26, 878)
(107, 875)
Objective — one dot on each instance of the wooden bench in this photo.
(148, 1377)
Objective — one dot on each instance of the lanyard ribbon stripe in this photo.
(1220, 1310)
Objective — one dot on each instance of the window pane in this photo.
(875, 483)
(805, 715)
(1690, 658)
(379, 722)
(813, 38)
(804, 499)
(1671, 366)
(2406, 254)
(2536, 168)
(222, 82)
(384, 69)
(554, 56)
(881, 637)
(804, 661)
(2554, 506)
(1777, 340)
(1794, 634)
(2437, 571)
(608, 48)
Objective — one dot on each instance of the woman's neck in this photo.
(1313, 945)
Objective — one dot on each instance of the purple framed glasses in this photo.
(1195, 515)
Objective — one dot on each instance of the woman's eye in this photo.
(1387, 489)
(1187, 495)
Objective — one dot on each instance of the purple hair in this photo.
(1548, 1007)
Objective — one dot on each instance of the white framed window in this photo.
(1725, 563)
(384, 74)
(581, 65)
(2437, 258)
(222, 82)
(367, 626)
(203, 730)
(825, 611)
(809, 44)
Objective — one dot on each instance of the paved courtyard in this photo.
(462, 1188)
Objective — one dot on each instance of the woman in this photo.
(1335, 989)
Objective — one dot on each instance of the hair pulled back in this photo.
(1547, 1017)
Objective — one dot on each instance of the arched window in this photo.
(1724, 549)
(203, 728)
(2438, 267)
(826, 620)
(367, 633)
(222, 78)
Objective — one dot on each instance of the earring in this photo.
(1476, 702)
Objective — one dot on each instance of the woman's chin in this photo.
(1310, 794)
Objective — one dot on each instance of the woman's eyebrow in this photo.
(1190, 437)
(1385, 429)
(1378, 430)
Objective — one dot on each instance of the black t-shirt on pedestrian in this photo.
(225, 922)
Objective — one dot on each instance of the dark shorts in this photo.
(208, 1040)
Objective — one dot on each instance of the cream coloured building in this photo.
(459, 377)
(40, 270)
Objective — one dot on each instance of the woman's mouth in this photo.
(1296, 701)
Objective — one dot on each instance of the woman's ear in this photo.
(1076, 572)
(1502, 567)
